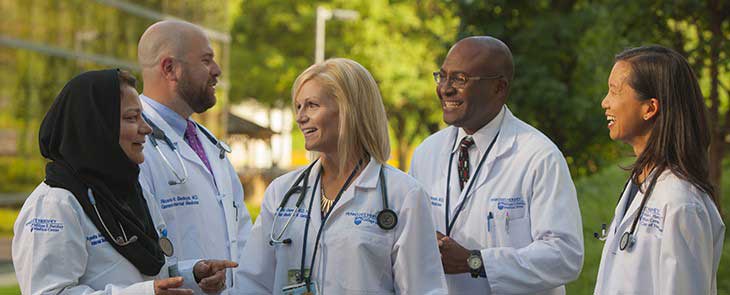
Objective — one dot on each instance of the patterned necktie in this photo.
(463, 167)
(191, 137)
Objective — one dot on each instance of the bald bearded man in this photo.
(502, 199)
(186, 168)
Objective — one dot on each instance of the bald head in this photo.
(178, 66)
(166, 38)
(484, 65)
(488, 53)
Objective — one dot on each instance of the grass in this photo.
(597, 195)
(12, 289)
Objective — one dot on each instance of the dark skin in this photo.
(480, 100)
(211, 274)
(471, 108)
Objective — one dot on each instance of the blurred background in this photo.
(563, 52)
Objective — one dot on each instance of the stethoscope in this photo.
(387, 219)
(159, 134)
(450, 225)
(163, 241)
(628, 239)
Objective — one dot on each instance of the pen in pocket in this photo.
(489, 221)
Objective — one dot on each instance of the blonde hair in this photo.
(363, 124)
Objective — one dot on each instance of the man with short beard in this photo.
(187, 172)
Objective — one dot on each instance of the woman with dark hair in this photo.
(87, 228)
(667, 233)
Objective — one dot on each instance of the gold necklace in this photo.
(325, 203)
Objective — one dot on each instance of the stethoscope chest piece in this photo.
(166, 244)
(387, 219)
(627, 241)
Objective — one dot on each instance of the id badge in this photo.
(293, 276)
(300, 289)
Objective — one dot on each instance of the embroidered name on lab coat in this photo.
(437, 201)
(286, 212)
(96, 239)
(44, 225)
(179, 201)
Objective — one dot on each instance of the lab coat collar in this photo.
(483, 136)
(370, 175)
(628, 219)
(185, 150)
(505, 142)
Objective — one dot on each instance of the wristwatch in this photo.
(476, 265)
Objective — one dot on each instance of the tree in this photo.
(563, 52)
(398, 42)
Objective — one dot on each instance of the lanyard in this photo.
(308, 278)
(450, 226)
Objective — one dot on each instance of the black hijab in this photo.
(80, 135)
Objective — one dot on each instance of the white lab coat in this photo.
(678, 245)
(540, 249)
(206, 217)
(355, 256)
(58, 250)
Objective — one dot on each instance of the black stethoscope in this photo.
(123, 240)
(628, 239)
(387, 219)
(159, 134)
(450, 225)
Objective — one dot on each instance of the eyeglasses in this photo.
(458, 80)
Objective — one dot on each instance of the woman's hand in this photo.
(170, 286)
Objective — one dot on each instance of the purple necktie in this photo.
(191, 137)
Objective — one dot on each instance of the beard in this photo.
(195, 94)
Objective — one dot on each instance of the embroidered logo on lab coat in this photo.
(508, 203)
(360, 217)
(652, 218)
(44, 225)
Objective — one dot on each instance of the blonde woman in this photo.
(348, 222)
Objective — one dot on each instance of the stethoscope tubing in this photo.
(302, 190)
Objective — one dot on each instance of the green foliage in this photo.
(7, 219)
(21, 175)
(399, 42)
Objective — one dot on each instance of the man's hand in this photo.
(211, 274)
(169, 287)
(453, 255)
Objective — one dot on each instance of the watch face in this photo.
(474, 262)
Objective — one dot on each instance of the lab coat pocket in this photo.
(361, 261)
(507, 225)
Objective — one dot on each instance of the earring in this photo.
(646, 118)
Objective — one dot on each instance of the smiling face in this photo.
(199, 75)
(317, 116)
(627, 116)
(480, 100)
(132, 128)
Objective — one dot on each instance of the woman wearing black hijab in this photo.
(87, 228)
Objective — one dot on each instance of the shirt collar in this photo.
(176, 122)
(484, 135)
